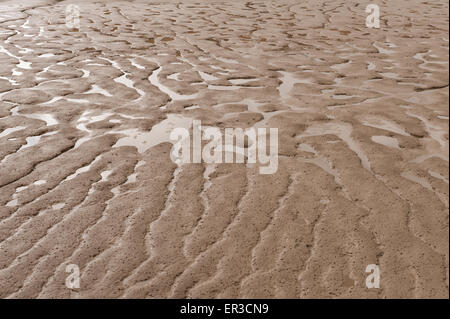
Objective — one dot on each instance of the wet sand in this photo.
(86, 177)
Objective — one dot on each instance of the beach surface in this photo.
(86, 177)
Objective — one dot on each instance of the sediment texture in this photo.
(363, 150)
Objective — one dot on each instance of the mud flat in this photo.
(85, 170)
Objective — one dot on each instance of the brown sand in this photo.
(363, 173)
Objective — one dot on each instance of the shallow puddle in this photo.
(11, 130)
(95, 89)
(154, 80)
(159, 133)
(386, 141)
(241, 81)
(206, 76)
(288, 80)
(380, 123)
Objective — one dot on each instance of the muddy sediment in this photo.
(85, 170)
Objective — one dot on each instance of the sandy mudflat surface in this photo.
(86, 177)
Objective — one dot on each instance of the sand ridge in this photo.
(85, 170)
